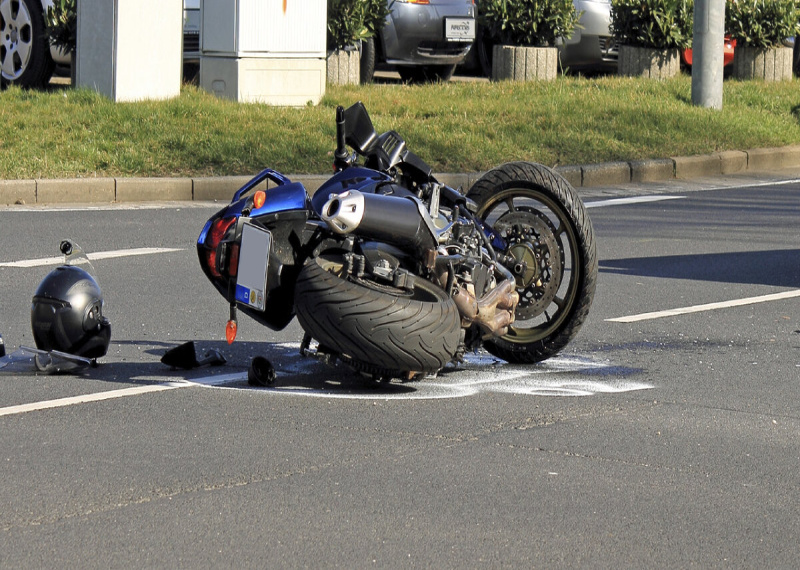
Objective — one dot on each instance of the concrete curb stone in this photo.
(606, 174)
(75, 190)
(733, 161)
(772, 158)
(217, 187)
(153, 189)
(652, 170)
(572, 173)
(690, 167)
(17, 191)
(222, 188)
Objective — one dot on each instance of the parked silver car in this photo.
(591, 47)
(26, 57)
(422, 39)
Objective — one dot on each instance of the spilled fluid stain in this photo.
(561, 376)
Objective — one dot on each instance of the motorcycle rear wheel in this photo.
(380, 329)
(551, 251)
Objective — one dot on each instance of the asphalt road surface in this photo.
(666, 435)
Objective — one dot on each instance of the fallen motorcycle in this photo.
(395, 274)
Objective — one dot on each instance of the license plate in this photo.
(251, 283)
(459, 29)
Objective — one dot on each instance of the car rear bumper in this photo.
(415, 34)
(592, 44)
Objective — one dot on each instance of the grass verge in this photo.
(453, 126)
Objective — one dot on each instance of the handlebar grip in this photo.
(341, 149)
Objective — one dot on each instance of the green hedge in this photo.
(350, 21)
(659, 24)
(534, 23)
(762, 23)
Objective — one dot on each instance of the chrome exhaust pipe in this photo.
(402, 222)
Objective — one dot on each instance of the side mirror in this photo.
(358, 129)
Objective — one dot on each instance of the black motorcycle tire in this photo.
(385, 332)
(534, 182)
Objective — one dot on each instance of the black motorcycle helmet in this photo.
(67, 314)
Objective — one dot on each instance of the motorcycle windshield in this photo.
(26, 360)
(74, 255)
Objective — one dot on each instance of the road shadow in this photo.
(779, 268)
(563, 375)
(294, 371)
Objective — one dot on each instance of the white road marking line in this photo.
(92, 256)
(95, 397)
(707, 307)
(632, 200)
(174, 205)
(113, 394)
(218, 380)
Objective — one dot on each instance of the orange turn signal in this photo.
(230, 331)
(259, 198)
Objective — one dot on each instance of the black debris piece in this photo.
(185, 356)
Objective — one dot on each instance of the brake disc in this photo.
(537, 258)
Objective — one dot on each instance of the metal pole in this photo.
(708, 53)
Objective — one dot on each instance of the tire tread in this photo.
(544, 179)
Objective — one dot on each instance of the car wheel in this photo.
(797, 55)
(24, 50)
(367, 60)
(426, 73)
(484, 46)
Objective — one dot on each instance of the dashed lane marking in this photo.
(631, 200)
(85, 398)
(92, 256)
(707, 307)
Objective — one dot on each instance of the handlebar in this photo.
(340, 155)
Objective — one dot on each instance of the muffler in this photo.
(402, 222)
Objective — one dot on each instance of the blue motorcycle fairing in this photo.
(291, 196)
(286, 196)
(353, 178)
(285, 212)
(273, 175)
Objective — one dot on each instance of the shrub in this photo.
(762, 23)
(62, 24)
(658, 24)
(350, 21)
(534, 23)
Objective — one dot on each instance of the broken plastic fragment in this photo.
(185, 356)
(26, 359)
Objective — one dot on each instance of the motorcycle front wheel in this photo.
(381, 329)
(549, 248)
